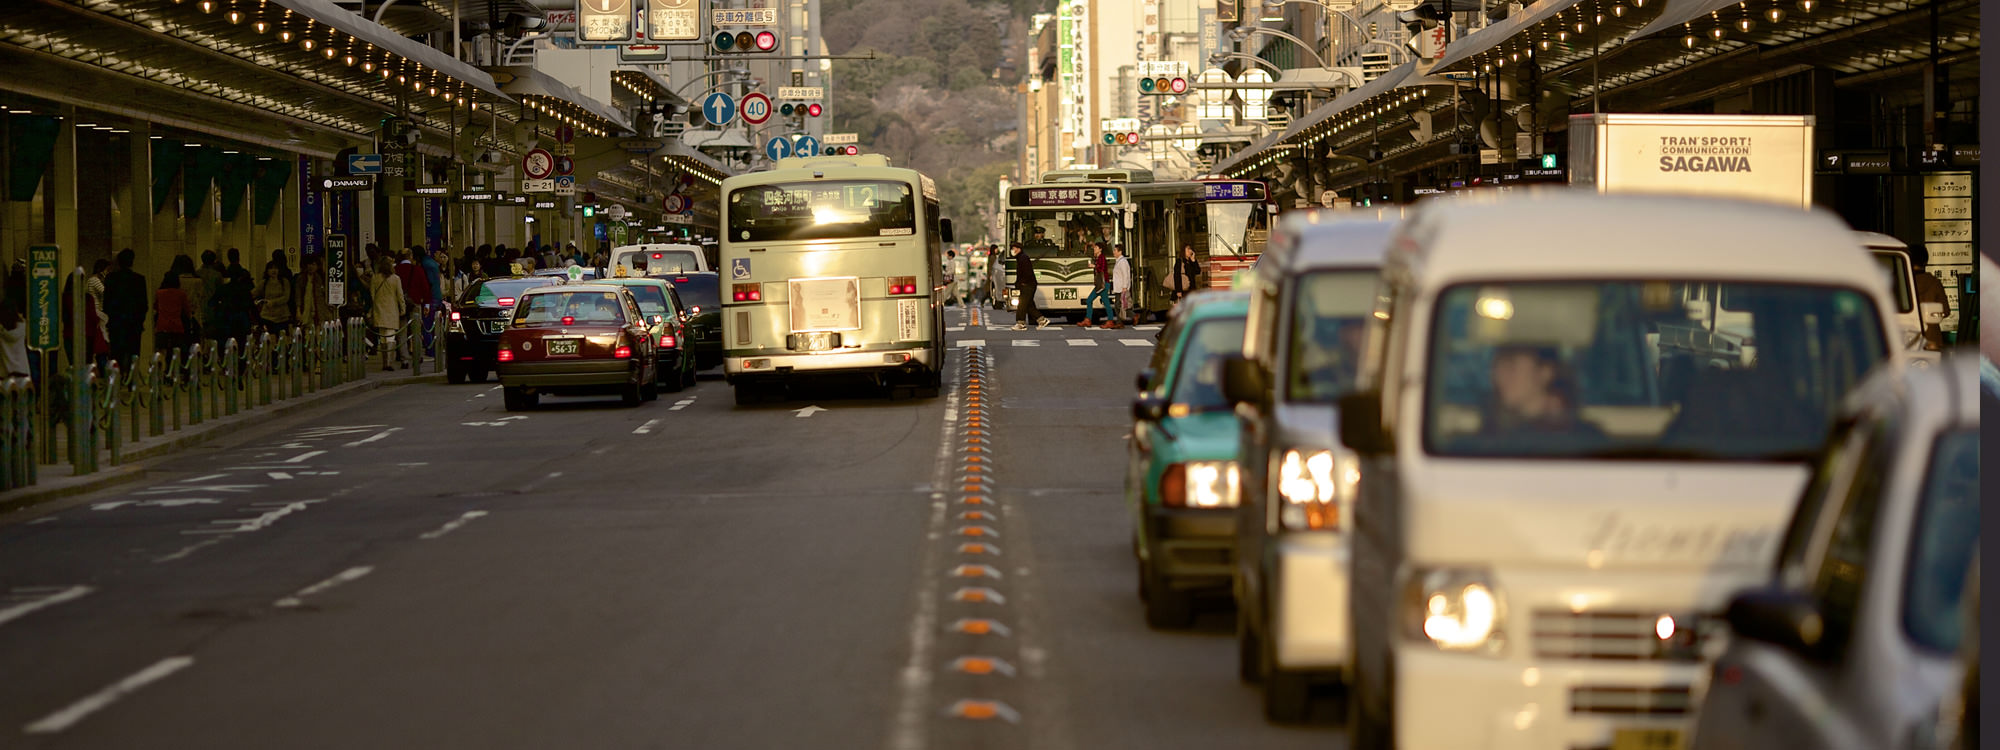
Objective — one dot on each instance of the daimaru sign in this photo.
(1760, 157)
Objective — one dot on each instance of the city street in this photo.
(416, 567)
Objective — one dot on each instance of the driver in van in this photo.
(1533, 393)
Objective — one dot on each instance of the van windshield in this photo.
(1329, 324)
(1667, 369)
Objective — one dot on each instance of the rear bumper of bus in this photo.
(736, 367)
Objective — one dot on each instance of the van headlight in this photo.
(1314, 484)
(1200, 484)
(1455, 610)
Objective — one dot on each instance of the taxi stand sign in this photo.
(44, 333)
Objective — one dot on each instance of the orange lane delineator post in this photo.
(978, 548)
(980, 626)
(983, 665)
(982, 710)
(978, 594)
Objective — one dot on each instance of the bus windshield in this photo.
(1064, 234)
(1229, 228)
(833, 209)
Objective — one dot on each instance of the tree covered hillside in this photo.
(939, 97)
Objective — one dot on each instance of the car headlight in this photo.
(1200, 484)
(1455, 610)
(1314, 484)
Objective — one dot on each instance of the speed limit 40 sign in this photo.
(756, 108)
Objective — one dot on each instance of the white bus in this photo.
(831, 264)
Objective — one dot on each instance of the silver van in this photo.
(1311, 295)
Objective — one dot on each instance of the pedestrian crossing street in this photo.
(977, 329)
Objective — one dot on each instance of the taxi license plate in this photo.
(1646, 739)
(561, 347)
(1066, 293)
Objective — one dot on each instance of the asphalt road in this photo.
(416, 567)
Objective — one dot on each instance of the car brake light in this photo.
(568, 320)
(506, 301)
(657, 256)
(746, 293)
(454, 316)
(667, 341)
(623, 352)
(506, 355)
(680, 279)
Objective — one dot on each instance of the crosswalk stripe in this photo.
(1082, 342)
(1135, 342)
(1027, 342)
(968, 343)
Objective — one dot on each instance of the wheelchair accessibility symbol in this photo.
(739, 269)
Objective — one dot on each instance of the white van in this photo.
(1547, 529)
(659, 260)
(1894, 256)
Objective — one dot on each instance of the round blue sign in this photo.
(777, 148)
(718, 108)
(806, 145)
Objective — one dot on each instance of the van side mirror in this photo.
(1243, 381)
(1786, 618)
(1934, 312)
(1361, 423)
(1148, 408)
(1145, 379)
(944, 230)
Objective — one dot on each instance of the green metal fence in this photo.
(89, 420)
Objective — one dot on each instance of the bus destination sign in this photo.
(1067, 196)
(1244, 190)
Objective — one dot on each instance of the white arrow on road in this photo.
(809, 411)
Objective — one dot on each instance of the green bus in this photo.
(831, 265)
(1055, 219)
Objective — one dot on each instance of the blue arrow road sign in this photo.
(719, 108)
(806, 145)
(364, 163)
(777, 148)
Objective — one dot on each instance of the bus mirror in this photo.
(944, 230)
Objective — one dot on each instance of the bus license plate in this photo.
(1646, 739)
(562, 347)
(1066, 293)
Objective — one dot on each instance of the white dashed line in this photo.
(303, 456)
(454, 524)
(54, 598)
(76, 712)
(646, 428)
(344, 576)
(204, 478)
(278, 475)
(373, 438)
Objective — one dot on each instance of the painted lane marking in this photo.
(165, 502)
(200, 488)
(913, 693)
(258, 523)
(204, 478)
(303, 456)
(1081, 342)
(338, 430)
(954, 329)
(1027, 342)
(190, 549)
(809, 411)
(969, 343)
(51, 599)
(373, 438)
(344, 576)
(646, 428)
(95, 702)
(1135, 342)
(454, 524)
(278, 475)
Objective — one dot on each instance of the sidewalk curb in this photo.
(139, 462)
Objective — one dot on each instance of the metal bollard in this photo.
(111, 391)
(82, 424)
(229, 381)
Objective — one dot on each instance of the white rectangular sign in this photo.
(833, 139)
(605, 20)
(538, 186)
(1760, 157)
(678, 219)
(744, 16)
(673, 20)
(801, 92)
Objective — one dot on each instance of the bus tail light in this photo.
(746, 293)
(902, 285)
(505, 355)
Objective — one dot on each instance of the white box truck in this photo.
(1762, 157)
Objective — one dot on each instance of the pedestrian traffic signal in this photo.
(744, 41)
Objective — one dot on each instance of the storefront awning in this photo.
(352, 24)
(543, 93)
(1491, 36)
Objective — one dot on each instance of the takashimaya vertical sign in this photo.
(673, 20)
(604, 20)
(1073, 70)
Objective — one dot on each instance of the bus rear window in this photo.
(833, 209)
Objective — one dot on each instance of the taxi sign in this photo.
(576, 273)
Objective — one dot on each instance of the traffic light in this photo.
(786, 109)
(590, 212)
(1121, 139)
(813, 109)
(852, 150)
(1163, 86)
(744, 41)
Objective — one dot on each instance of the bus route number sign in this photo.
(1076, 196)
